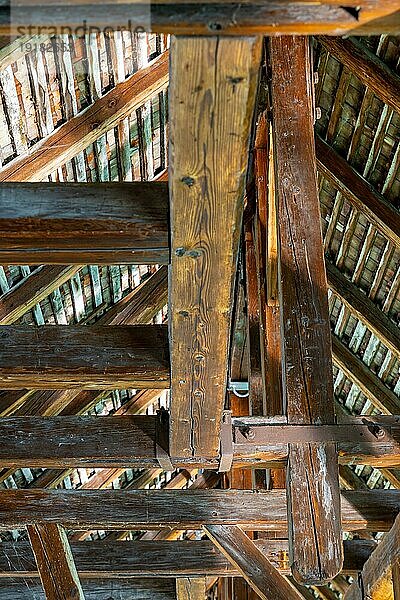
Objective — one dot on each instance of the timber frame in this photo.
(207, 200)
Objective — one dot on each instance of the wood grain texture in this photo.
(55, 562)
(312, 474)
(74, 223)
(189, 588)
(96, 357)
(212, 93)
(82, 130)
(253, 565)
(373, 510)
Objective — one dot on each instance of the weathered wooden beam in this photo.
(105, 559)
(79, 132)
(253, 565)
(312, 476)
(96, 357)
(70, 223)
(191, 588)
(375, 580)
(358, 191)
(211, 109)
(364, 309)
(55, 562)
(205, 18)
(33, 289)
(131, 441)
(359, 373)
(373, 510)
(371, 70)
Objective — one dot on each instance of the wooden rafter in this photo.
(212, 93)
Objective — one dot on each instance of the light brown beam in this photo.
(253, 565)
(375, 580)
(96, 357)
(212, 94)
(55, 562)
(191, 588)
(79, 132)
(312, 474)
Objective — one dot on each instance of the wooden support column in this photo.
(312, 476)
(55, 562)
(213, 85)
(191, 588)
(254, 566)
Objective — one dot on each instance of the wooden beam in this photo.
(79, 132)
(375, 580)
(205, 18)
(59, 357)
(364, 309)
(69, 223)
(359, 373)
(358, 191)
(312, 476)
(211, 109)
(131, 441)
(55, 562)
(253, 565)
(373, 510)
(364, 64)
(190, 588)
(105, 559)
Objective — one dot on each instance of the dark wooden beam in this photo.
(55, 562)
(211, 108)
(373, 510)
(251, 563)
(74, 223)
(79, 132)
(312, 476)
(358, 191)
(96, 357)
(375, 580)
(106, 559)
(367, 67)
(364, 309)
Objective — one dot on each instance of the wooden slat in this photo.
(96, 357)
(69, 223)
(55, 562)
(364, 309)
(358, 191)
(105, 559)
(257, 570)
(367, 67)
(373, 510)
(189, 588)
(82, 130)
(375, 581)
(211, 107)
(312, 477)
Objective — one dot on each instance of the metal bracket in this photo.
(226, 443)
(162, 441)
(239, 388)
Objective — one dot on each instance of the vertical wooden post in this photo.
(312, 476)
(190, 588)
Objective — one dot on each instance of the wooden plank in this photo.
(188, 588)
(55, 562)
(364, 309)
(312, 476)
(396, 579)
(203, 18)
(33, 289)
(371, 70)
(211, 108)
(256, 569)
(69, 223)
(80, 131)
(375, 580)
(105, 559)
(358, 191)
(96, 357)
(373, 510)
